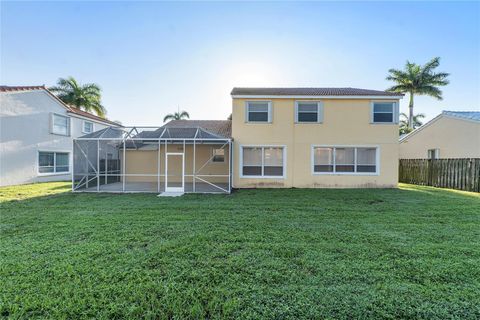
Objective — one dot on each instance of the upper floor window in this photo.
(87, 127)
(384, 112)
(308, 111)
(53, 162)
(259, 111)
(60, 124)
(345, 160)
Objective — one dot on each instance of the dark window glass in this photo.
(383, 117)
(258, 116)
(273, 171)
(307, 117)
(252, 171)
(344, 168)
(218, 155)
(383, 107)
(323, 168)
(46, 162)
(366, 168)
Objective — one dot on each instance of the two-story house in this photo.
(36, 135)
(315, 137)
(278, 137)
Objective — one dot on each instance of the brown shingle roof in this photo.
(69, 109)
(91, 116)
(219, 127)
(20, 88)
(311, 92)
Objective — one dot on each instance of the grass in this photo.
(413, 252)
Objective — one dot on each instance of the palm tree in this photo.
(417, 122)
(86, 97)
(418, 80)
(177, 116)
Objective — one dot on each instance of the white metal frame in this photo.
(222, 143)
(377, 160)
(175, 189)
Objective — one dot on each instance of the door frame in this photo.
(175, 189)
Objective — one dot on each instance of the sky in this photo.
(153, 58)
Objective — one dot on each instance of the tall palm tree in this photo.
(418, 80)
(417, 122)
(177, 116)
(86, 97)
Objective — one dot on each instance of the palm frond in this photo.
(86, 97)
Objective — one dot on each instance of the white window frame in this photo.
(269, 109)
(395, 111)
(319, 111)
(377, 160)
(54, 173)
(436, 155)
(284, 162)
(213, 155)
(69, 124)
(83, 126)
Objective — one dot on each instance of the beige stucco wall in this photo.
(142, 162)
(345, 123)
(455, 138)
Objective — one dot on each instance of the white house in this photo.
(36, 135)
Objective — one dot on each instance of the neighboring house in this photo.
(452, 134)
(278, 137)
(36, 134)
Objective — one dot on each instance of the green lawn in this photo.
(412, 252)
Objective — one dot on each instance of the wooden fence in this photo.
(460, 174)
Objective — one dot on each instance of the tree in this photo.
(176, 116)
(418, 80)
(86, 97)
(417, 122)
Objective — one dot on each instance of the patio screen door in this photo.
(174, 179)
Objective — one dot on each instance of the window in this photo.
(308, 111)
(384, 112)
(53, 162)
(263, 161)
(366, 159)
(87, 127)
(60, 125)
(323, 160)
(345, 160)
(218, 155)
(258, 111)
(433, 153)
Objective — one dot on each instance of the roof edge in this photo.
(435, 119)
(316, 97)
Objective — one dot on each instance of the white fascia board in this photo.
(74, 115)
(316, 97)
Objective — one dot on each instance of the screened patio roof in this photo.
(154, 133)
